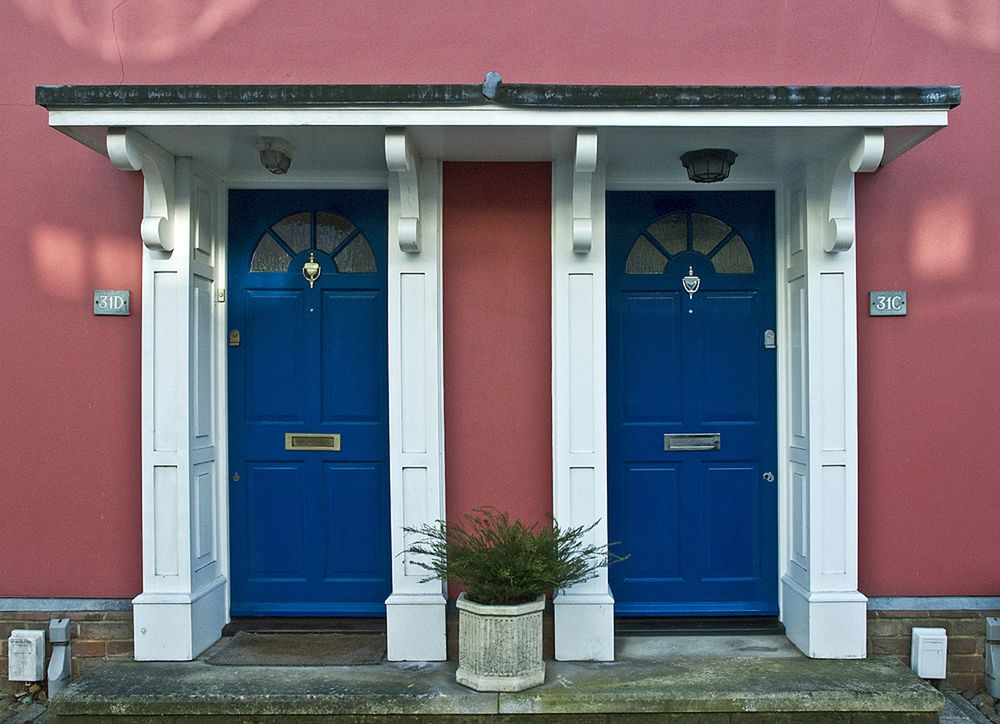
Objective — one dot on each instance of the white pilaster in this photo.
(415, 611)
(823, 611)
(182, 607)
(584, 614)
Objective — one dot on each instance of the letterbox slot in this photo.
(692, 441)
(312, 441)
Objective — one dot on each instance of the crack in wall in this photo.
(118, 47)
(871, 42)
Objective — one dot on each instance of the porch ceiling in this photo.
(341, 129)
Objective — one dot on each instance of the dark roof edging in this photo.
(512, 95)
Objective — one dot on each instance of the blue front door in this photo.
(308, 408)
(692, 408)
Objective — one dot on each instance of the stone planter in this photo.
(500, 647)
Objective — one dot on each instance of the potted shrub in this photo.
(507, 568)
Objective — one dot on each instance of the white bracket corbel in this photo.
(865, 157)
(400, 159)
(129, 150)
(584, 165)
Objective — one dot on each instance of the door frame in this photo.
(415, 609)
(368, 183)
(776, 186)
(185, 600)
(824, 613)
(779, 186)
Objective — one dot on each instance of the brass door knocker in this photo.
(311, 269)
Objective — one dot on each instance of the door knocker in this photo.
(311, 269)
(691, 283)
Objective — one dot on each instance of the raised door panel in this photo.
(273, 338)
(275, 499)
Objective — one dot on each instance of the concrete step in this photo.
(679, 689)
(699, 626)
(285, 624)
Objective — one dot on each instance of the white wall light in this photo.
(275, 154)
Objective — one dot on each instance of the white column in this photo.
(823, 611)
(415, 612)
(584, 614)
(182, 607)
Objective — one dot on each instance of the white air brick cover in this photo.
(26, 655)
(929, 652)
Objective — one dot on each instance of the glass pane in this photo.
(671, 232)
(269, 256)
(331, 230)
(645, 259)
(733, 258)
(707, 232)
(356, 257)
(296, 231)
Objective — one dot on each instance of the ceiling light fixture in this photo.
(275, 154)
(708, 165)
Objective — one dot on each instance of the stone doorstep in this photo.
(722, 689)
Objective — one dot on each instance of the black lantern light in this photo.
(708, 165)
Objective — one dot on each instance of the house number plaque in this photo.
(887, 304)
(111, 302)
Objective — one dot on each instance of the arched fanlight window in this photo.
(319, 231)
(682, 232)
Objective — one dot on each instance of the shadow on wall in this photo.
(67, 266)
(142, 30)
(964, 22)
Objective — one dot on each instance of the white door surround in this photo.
(823, 612)
(186, 153)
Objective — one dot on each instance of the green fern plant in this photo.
(504, 562)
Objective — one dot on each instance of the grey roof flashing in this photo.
(513, 95)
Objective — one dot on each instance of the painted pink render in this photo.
(69, 382)
(497, 272)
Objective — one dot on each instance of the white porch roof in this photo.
(643, 128)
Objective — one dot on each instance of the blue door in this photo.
(692, 408)
(308, 407)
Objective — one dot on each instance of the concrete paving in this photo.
(691, 678)
(958, 710)
(24, 715)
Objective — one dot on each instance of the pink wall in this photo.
(497, 338)
(69, 466)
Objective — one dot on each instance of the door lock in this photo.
(768, 476)
(236, 477)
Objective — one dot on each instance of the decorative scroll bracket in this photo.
(129, 150)
(400, 159)
(865, 158)
(584, 165)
